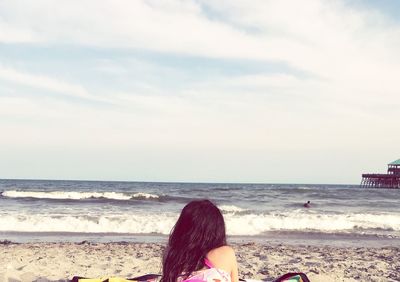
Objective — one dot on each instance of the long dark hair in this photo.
(199, 229)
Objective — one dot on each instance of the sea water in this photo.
(102, 210)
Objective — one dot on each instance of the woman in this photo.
(197, 249)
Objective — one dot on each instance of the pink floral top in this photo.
(211, 274)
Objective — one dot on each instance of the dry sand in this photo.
(62, 261)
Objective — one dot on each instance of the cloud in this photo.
(173, 27)
(12, 34)
(327, 39)
(329, 83)
(50, 84)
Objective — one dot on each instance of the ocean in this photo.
(47, 210)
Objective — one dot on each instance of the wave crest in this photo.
(231, 209)
(74, 195)
(237, 224)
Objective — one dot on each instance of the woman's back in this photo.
(220, 265)
(211, 274)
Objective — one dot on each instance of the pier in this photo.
(379, 180)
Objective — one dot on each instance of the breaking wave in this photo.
(231, 209)
(237, 224)
(75, 195)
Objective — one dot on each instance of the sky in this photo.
(199, 91)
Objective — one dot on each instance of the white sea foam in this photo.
(304, 188)
(145, 195)
(248, 224)
(146, 224)
(231, 208)
(73, 195)
(252, 224)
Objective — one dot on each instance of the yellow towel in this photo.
(110, 279)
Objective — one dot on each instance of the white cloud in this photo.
(47, 83)
(341, 95)
(325, 38)
(12, 34)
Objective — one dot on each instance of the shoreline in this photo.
(274, 238)
(61, 261)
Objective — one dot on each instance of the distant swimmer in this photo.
(307, 205)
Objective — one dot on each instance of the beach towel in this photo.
(143, 278)
(288, 277)
(293, 277)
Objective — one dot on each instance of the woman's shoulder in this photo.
(222, 258)
(222, 251)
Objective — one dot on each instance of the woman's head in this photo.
(199, 229)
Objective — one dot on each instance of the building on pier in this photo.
(378, 180)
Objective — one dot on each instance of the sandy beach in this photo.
(62, 261)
